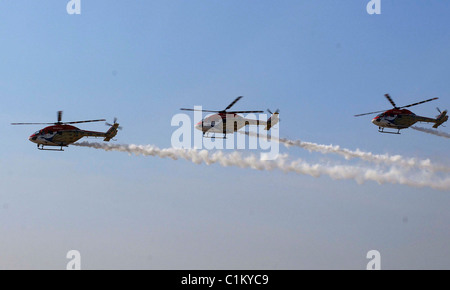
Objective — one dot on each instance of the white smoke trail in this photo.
(350, 154)
(431, 131)
(359, 174)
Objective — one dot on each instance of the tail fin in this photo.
(441, 119)
(273, 120)
(112, 132)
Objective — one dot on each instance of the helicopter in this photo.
(62, 134)
(400, 118)
(228, 122)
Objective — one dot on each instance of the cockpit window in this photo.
(36, 133)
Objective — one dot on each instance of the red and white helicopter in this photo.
(228, 122)
(399, 118)
(62, 134)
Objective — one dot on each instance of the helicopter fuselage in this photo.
(227, 123)
(399, 119)
(64, 135)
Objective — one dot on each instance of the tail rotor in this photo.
(276, 112)
(114, 123)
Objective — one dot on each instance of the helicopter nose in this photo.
(33, 138)
(199, 126)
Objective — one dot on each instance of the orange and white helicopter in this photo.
(62, 134)
(399, 118)
(228, 122)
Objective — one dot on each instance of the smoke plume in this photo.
(431, 131)
(351, 154)
(393, 174)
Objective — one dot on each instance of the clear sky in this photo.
(320, 62)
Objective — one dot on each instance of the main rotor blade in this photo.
(32, 123)
(183, 109)
(390, 100)
(243, 112)
(234, 102)
(415, 104)
(87, 121)
(359, 115)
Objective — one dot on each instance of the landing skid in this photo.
(42, 148)
(214, 137)
(381, 130)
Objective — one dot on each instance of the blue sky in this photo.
(319, 62)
